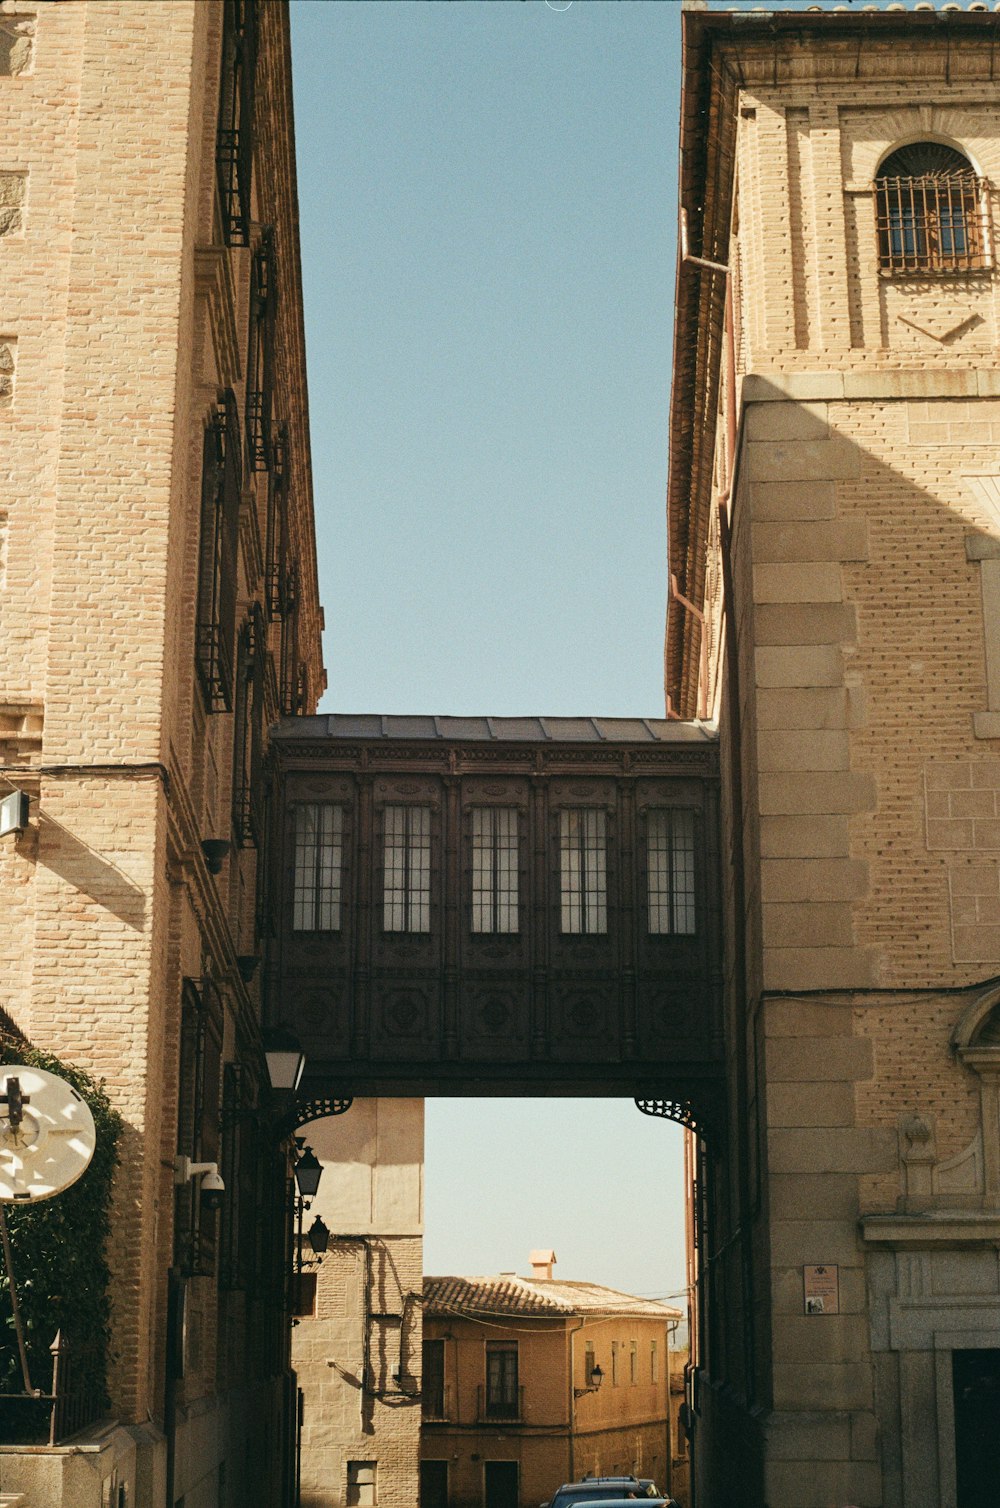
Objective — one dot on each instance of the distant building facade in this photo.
(356, 1346)
(531, 1382)
(158, 612)
(834, 515)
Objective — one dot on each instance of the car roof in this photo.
(615, 1502)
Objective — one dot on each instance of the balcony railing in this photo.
(505, 1409)
(436, 1406)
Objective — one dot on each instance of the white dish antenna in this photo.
(47, 1135)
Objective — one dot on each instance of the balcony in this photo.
(504, 1408)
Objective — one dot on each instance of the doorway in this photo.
(500, 1479)
(976, 1383)
(434, 1484)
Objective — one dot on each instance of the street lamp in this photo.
(308, 1172)
(596, 1378)
(285, 1059)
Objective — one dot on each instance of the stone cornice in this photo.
(937, 1228)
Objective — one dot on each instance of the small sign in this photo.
(821, 1290)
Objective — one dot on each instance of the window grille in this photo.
(494, 869)
(319, 854)
(501, 1380)
(220, 524)
(240, 1154)
(670, 871)
(260, 354)
(276, 534)
(199, 1085)
(290, 643)
(929, 211)
(234, 141)
(248, 730)
(406, 905)
(633, 1361)
(583, 870)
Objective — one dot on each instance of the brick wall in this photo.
(121, 316)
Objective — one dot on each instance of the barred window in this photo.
(199, 1089)
(583, 870)
(494, 869)
(260, 354)
(670, 871)
(406, 905)
(319, 854)
(276, 534)
(928, 211)
(290, 663)
(217, 558)
(248, 730)
(234, 141)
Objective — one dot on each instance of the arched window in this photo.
(928, 211)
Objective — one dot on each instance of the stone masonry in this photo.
(852, 600)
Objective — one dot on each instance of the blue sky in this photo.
(488, 210)
(487, 198)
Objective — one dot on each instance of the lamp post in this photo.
(308, 1172)
(595, 1380)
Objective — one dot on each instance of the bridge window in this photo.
(927, 208)
(670, 875)
(319, 844)
(494, 869)
(407, 869)
(583, 870)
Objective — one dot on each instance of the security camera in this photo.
(212, 1186)
(212, 1189)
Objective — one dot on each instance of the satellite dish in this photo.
(47, 1135)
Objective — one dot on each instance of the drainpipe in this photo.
(572, 1400)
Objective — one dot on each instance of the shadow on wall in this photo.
(90, 872)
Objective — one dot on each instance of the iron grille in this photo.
(234, 140)
(930, 224)
(198, 1118)
(289, 641)
(248, 732)
(220, 522)
(276, 537)
(260, 355)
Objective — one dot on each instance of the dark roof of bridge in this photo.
(611, 730)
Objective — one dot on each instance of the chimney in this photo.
(542, 1263)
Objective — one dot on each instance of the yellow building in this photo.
(158, 612)
(356, 1347)
(531, 1382)
(834, 511)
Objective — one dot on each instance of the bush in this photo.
(60, 1263)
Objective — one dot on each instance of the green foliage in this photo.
(58, 1247)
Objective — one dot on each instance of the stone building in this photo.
(158, 611)
(356, 1346)
(531, 1382)
(834, 511)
